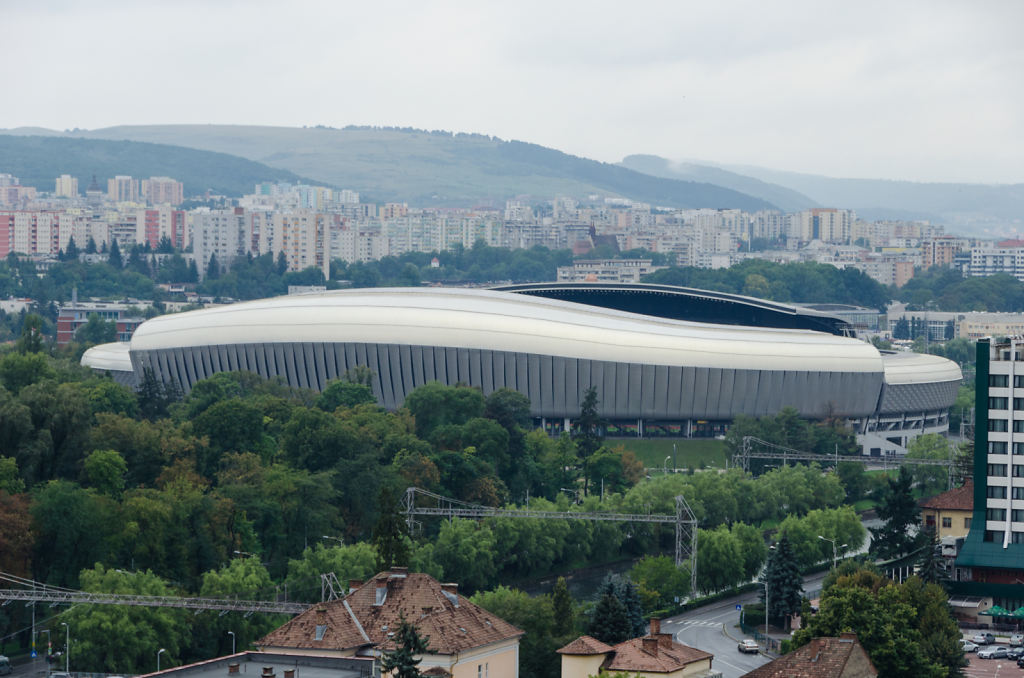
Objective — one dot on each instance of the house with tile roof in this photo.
(949, 513)
(465, 641)
(655, 655)
(841, 657)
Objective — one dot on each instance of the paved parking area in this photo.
(991, 668)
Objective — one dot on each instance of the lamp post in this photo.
(665, 464)
(48, 643)
(162, 650)
(575, 493)
(232, 634)
(245, 553)
(67, 646)
(833, 542)
(341, 542)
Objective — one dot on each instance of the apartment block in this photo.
(66, 186)
(163, 190)
(607, 270)
(123, 189)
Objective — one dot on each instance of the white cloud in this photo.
(925, 90)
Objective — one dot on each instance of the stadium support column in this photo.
(567, 425)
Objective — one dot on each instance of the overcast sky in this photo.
(930, 91)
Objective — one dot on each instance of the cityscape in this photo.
(545, 341)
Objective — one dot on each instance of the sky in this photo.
(918, 90)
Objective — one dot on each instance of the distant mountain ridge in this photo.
(38, 160)
(429, 168)
(974, 209)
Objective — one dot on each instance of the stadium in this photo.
(664, 360)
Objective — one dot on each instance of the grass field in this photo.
(689, 452)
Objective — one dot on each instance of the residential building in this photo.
(223, 233)
(949, 514)
(123, 189)
(274, 665)
(607, 270)
(466, 641)
(655, 655)
(975, 325)
(826, 224)
(940, 250)
(991, 561)
(163, 190)
(66, 186)
(842, 657)
(302, 235)
(156, 223)
(74, 314)
(986, 261)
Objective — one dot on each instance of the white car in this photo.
(968, 646)
(993, 652)
(1017, 639)
(747, 645)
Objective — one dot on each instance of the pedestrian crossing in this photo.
(694, 622)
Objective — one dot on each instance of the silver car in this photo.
(993, 652)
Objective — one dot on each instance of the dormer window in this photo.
(382, 594)
(321, 629)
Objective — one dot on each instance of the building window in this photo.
(1018, 470)
(1018, 381)
(1017, 537)
(990, 535)
(1018, 403)
(1017, 515)
(997, 492)
(967, 523)
(479, 671)
(947, 522)
(998, 425)
(1018, 426)
(997, 447)
(998, 403)
(929, 520)
(997, 470)
(995, 514)
(999, 380)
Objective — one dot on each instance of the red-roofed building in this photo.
(655, 655)
(949, 513)
(841, 657)
(465, 640)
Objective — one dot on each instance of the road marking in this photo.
(732, 666)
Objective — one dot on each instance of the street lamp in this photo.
(576, 493)
(67, 646)
(665, 464)
(49, 645)
(232, 633)
(245, 553)
(833, 542)
(162, 650)
(337, 539)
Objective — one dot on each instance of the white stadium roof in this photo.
(502, 321)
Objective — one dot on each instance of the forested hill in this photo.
(432, 168)
(38, 160)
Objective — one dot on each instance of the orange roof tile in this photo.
(820, 658)
(586, 645)
(957, 499)
(655, 654)
(450, 621)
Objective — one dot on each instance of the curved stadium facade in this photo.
(687, 364)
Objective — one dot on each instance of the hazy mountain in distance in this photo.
(38, 160)
(785, 199)
(431, 168)
(971, 209)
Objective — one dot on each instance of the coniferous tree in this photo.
(71, 251)
(282, 263)
(634, 610)
(401, 662)
(90, 246)
(213, 268)
(783, 579)
(565, 614)
(610, 623)
(193, 272)
(899, 512)
(114, 257)
(589, 432)
(390, 532)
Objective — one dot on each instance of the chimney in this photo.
(650, 645)
(353, 584)
(400, 570)
(655, 626)
(665, 640)
(321, 615)
(268, 672)
(232, 668)
(848, 635)
(451, 588)
(289, 673)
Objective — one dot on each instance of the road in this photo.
(715, 628)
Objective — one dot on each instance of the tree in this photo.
(401, 662)
(589, 432)
(96, 330)
(16, 535)
(347, 562)
(660, 582)
(114, 257)
(538, 618)
(71, 251)
(719, 561)
(564, 608)
(341, 393)
(610, 623)
(31, 340)
(897, 536)
(930, 480)
(213, 267)
(90, 246)
(105, 471)
(902, 329)
(390, 534)
(783, 581)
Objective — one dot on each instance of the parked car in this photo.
(968, 646)
(1015, 653)
(5, 665)
(1017, 640)
(1020, 662)
(983, 638)
(747, 645)
(994, 652)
